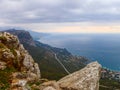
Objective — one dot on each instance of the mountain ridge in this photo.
(43, 54)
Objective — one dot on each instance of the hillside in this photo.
(44, 55)
(18, 71)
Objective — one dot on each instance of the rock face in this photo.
(85, 79)
(13, 55)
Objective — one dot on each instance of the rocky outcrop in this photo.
(85, 79)
(50, 85)
(13, 55)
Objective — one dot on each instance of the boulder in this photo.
(85, 79)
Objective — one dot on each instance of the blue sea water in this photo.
(105, 48)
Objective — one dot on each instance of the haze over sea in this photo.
(105, 48)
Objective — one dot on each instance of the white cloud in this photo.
(37, 11)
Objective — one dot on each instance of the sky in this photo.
(65, 16)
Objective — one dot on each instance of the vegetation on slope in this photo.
(48, 65)
(106, 84)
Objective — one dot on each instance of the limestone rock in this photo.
(9, 40)
(85, 79)
(49, 88)
(50, 85)
(2, 65)
(19, 82)
(13, 55)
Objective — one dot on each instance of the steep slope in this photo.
(44, 55)
(17, 68)
(72, 63)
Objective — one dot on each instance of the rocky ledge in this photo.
(85, 79)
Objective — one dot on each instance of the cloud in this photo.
(38, 11)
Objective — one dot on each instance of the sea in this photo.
(104, 48)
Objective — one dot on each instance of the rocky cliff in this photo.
(18, 71)
(16, 64)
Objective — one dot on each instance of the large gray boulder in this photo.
(85, 79)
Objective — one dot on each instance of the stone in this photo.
(49, 88)
(2, 65)
(19, 82)
(50, 85)
(85, 79)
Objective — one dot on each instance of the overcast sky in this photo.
(47, 15)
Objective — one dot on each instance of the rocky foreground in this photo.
(23, 73)
(85, 79)
(13, 56)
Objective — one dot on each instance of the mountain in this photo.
(18, 70)
(53, 61)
